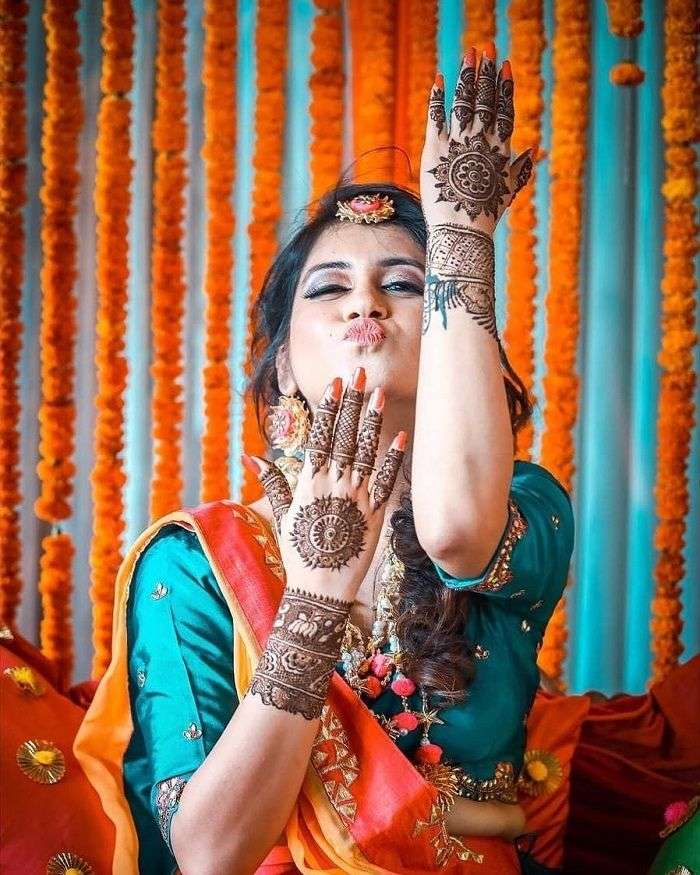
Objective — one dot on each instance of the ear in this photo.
(285, 378)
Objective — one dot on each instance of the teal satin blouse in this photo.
(180, 656)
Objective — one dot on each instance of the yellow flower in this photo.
(542, 773)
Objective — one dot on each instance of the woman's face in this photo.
(355, 273)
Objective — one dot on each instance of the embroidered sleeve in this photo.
(167, 800)
(528, 569)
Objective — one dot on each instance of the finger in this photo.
(274, 483)
(345, 435)
(386, 475)
(436, 110)
(520, 172)
(368, 438)
(462, 114)
(320, 439)
(505, 112)
(485, 101)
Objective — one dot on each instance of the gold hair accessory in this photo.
(366, 208)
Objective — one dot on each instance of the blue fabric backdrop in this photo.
(613, 560)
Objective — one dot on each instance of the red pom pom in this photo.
(674, 812)
(372, 686)
(381, 665)
(429, 753)
(403, 686)
(405, 720)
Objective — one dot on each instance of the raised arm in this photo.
(462, 460)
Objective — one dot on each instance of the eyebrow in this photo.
(392, 261)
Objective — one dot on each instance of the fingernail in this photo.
(439, 81)
(377, 402)
(399, 441)
(250, 464)
(490, 51)
(334, 388)
(359, 379)
(470, 57)
(506, 72)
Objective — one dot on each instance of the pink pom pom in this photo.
(429, 753)
(372, 686)
(405, 720)
(403, 686)
(674, 812)
(381, 665)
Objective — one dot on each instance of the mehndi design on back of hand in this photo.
(301, 653)
(459, 272)
(329, 532)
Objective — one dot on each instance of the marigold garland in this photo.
(13, 173)
(480, 19)
(527, 44)
(372, 28)
(327, 87)
(271, 65)
(676, 410)
(626, 73)
(571, 65)
(169, 136)
(625, 17)
(218, 152)
(416, 63)
(63, 117)
(112, 203)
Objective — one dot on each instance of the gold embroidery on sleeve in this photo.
(500, 574)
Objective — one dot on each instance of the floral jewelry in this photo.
(287, 428)
(366, 208)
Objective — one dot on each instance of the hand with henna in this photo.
(467, 182)
(329, 527)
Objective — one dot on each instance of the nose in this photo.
(364, 302)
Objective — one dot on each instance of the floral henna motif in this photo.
(321, 436)
(460, 273)
(472, 176)
(486, 93)
(386, 476)
(463, 103)
(329, 532)
(301, 653)
(505, 112)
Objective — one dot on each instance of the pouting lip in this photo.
(368, 330)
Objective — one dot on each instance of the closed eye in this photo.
(400, 285)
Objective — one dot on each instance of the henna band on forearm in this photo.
(301, 653)
(460, 272)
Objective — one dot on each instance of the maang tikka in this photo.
(287, 428)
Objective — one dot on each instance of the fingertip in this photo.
(439, 81)
(251, 464)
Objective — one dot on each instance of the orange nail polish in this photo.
(506, 72)
(439, 81)
(359, 379)
(400, 440)
(490, 51)
(335, 388)
(470, 57)
(250, 464)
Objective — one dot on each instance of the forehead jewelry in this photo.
(366, 208)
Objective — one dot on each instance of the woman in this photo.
(383, 603)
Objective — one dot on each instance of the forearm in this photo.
(462, 447)
(470, 818)
(235, 806)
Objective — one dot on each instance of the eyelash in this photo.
(319, 290)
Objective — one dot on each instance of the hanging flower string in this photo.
(270, 43)
(480, 18)
(675, 418)
(625, 19)
(167, 265)
(218, 75)
(63, 117)
(416, 63)
(571, 65)
(327, 87)
(112, 202)
(13, 174)
(527, 44)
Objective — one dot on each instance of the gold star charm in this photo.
(428, 718)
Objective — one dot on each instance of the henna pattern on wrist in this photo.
(301, 652)
(472, 176)
(329, 532)
(460, 270)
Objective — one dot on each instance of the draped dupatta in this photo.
(363, 807)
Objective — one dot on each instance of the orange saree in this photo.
(363, 807)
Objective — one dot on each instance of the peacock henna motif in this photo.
(436, 107)
(460, 268)
(485, 103)
(367, 443)
(301, 652)
(345, 437)
(463, 103)
(329, 532)
(278, 491)
(386, 476)
(505, 111)
(321, 434)
(472, 176)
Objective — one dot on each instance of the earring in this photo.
(287, 429)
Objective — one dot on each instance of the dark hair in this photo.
(432, 617)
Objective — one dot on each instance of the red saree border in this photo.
(376, 795)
